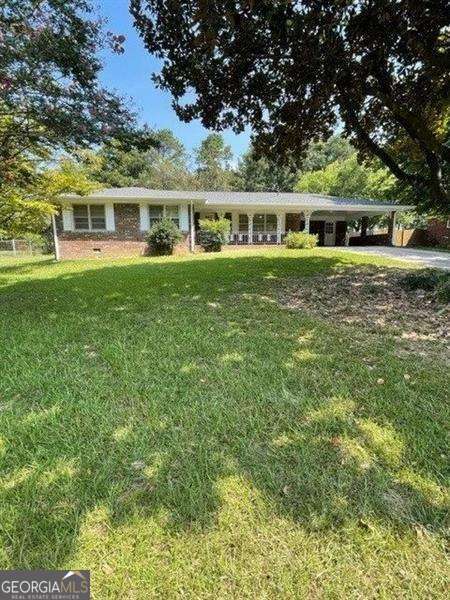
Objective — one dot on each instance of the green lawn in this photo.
(167, 425)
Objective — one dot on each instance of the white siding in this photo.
(109, 216)
(184, 217)
(143, 217)
(67, 219)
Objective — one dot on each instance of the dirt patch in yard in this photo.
(373, 297)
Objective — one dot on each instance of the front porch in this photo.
(331, 227)
(271, 228)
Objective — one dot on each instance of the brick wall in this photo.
(126, 240)
(438, 234)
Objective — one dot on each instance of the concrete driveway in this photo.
(429, 258)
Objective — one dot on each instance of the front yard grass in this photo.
(169, 425)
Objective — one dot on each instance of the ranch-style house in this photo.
(115, 222)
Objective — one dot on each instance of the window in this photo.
(329, 227)
(263, 223)
(172, 213)
(89, 217)
(156, 213)
(243, 223)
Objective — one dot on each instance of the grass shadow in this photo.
(140, 387)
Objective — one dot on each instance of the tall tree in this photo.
(322, 153)
(349, 179)
(50, 95)
(258, 174)
(162, 166)
(213, 159)
(292, 69)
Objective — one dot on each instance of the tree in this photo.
(290, 70)
(28, 210)
(50, 96)
(213, 159)
(163, 165)
(322, 153)
(349, 179)
(261, 175)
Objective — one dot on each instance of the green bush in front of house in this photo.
(213, 234)
(300, 239)
(163, 237)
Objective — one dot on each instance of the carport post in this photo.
(391, 228)
(307, 215)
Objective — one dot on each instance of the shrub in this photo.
(163, 237)
(300, 239)
(39, 242)
(213, 234)
(425, 279)
(443, 290)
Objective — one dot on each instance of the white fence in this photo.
(18, 248)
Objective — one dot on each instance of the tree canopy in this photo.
(161, 166)
(258, 174)
(213, 159)
(349, 179)
(50, 95)
(292, 70)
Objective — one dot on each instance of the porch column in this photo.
(391, 228)
(364, 225)
(307, 215)
(250, 227)
(279, 227)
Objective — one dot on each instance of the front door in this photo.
(330, 233)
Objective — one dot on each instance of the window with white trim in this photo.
(161, 211)
(89, 217)
(329, 227)
(243, 223)
(264, 223)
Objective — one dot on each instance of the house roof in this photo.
(281, 199)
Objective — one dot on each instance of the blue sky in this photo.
(130, 74)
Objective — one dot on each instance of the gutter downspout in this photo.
(192, 230)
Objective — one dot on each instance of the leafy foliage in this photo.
(19, 214)
(349, 179)
(50, 96)
(321, 153)
(28, 209)
(381, 68)
(300, 240)
(258, 174)
(213, 234)
(213, 164)
(163, 237)
(162, 164)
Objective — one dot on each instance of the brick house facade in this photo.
(115, 222)
(127, 239)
